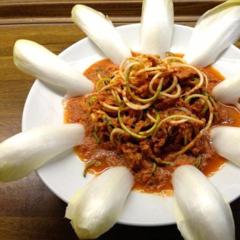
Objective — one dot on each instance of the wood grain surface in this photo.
(28, 210)
(122, 11)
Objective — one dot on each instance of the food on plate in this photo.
(36, 60)
(215, 31)
(157, 21)
(27, 151)
(151, 115)
(144, 115)
(203, 214)
(96, 207)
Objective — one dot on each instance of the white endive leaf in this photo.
(215, 31)
(226, 142)
(202, 213)
(228, 91)
(101, 31)
(156, 26)
(23, 153)
(36, 60)
(97, 206)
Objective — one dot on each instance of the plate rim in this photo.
(24, 125)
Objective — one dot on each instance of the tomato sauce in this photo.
(76, 111)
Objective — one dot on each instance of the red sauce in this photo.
(76, 109)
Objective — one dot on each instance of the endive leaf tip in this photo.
(38, 61)
(96, 207)
(20, 44)
(79, 7)
(75, 10)
(205, 47)
(25, 152)
(83, 9)
(17, 51)
(227, 91)
(225, 140)
(202, 213)
(23, 41)
(20, 47)
(102, 32)
(157, 25)
(17, 45)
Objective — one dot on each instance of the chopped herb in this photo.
(91, 100)
(97, 139)
(88, 165)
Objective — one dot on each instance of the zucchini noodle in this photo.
(174, 95)
(116, 132)
(159, 107)
(173, 59)
(199, 73)
(209, 123)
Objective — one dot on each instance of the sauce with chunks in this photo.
(100, 155)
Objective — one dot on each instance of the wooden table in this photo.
(28, 210)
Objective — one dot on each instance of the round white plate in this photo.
(63, 175)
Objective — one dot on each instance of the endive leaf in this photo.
(215, 31)
(156, 26)
(97, 206)
(101, 31)
(226, 142)
(27, 151)
(202, 213)
(228, 91)
(36, 60)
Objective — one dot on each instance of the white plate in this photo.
(64, 176)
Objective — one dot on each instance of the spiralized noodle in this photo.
(159, 104)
